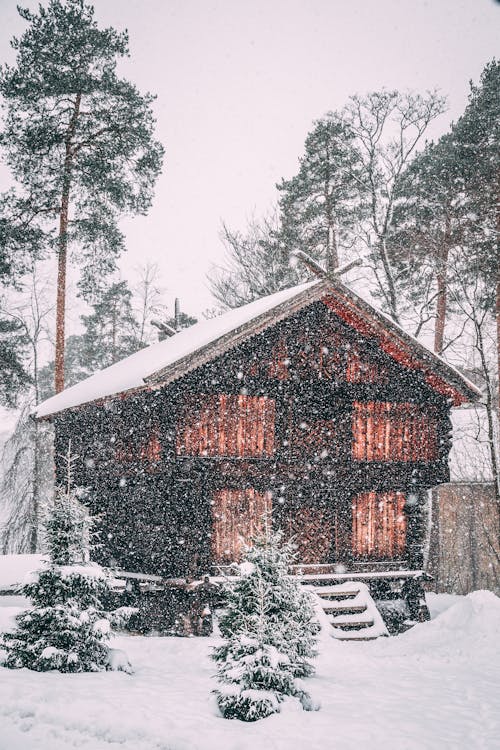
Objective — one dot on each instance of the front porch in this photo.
(183, 606)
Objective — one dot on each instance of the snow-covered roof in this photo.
(200, 343)
(132, 371)
(470, 456)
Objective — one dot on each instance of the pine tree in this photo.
(269, 630)
(477, 138)
(67, 628)
(110, 334)
(318, 205)
(78, 140)
(477, 142)
(13, 375)
(427, 226)
(111, 331)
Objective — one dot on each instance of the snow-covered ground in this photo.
(15, 568)
(436, 686)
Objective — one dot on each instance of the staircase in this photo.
(351, 611)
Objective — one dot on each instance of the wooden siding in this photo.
(311, 529)
(313, 438)
(138, 448)
(361, 368)
(401, 348)
(224, 425)
(378, 525)
(237, 516)
(318, 356)
(385, 431)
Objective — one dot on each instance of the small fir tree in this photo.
(269, 629)
(67, 628)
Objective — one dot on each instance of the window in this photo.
(378, 524)
(384, 431)
(224, 425)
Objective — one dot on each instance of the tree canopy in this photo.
(79, 141)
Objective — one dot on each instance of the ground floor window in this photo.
(378, 525)
(237, 516)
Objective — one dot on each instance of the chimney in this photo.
(177, 315)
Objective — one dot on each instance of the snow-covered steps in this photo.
(351, 611)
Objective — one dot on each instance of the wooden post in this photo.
(414, 509)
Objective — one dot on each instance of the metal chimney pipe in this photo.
(177, 315)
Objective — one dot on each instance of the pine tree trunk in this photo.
(442, 290)
(497, 306)
(391, 286)
(113, 333)
(63, 250)
(332, 257)
(440, 312)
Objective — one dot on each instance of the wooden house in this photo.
(309, 404)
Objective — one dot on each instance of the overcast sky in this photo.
(239, 83)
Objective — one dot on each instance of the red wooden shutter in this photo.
(238, 515)
(385, 431)
(378, 524)
(226, 425)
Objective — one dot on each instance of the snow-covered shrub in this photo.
(67, 628)
(270, 631)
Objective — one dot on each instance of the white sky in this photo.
(239, 83)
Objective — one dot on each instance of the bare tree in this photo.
(388, 128)
(33, 312)
(26, 456)
(148, 301)
(256, 263)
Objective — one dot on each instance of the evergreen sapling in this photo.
(269, 629)
(67, 629)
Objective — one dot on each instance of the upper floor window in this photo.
(385, 431)
(226, 425)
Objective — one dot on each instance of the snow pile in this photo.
(470, 623)
(14, 569)
(434, 687)
(439, 603)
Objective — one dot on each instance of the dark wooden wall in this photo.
(310, 418)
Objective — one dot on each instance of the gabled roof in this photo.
(195, 346)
